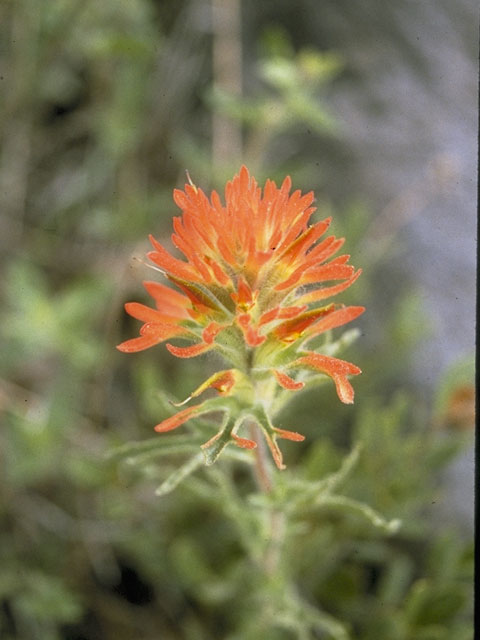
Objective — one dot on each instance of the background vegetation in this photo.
(103, 106)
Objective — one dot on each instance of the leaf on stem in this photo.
(161, 445)
(179, 474)
(349, 505)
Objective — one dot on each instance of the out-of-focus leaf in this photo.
(175, 478)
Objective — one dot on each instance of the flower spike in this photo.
(244, 281)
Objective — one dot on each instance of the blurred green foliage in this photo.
(102, 107)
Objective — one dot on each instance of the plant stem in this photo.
(273, 551)
(263, 474)
(277, 524)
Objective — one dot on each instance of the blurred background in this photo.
(103, 106)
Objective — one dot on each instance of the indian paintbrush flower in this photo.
(252, 289)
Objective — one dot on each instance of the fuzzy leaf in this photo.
(214, 447)
(348, 504)
(179, 474)
(153, 445)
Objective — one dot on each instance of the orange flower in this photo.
(254, 269)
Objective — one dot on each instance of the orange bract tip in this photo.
(286, 381)
(293, 329)
(178, 419)
(326, 292)
(211, 332)
(344, 389)
(162, 330)
(171, 265)
(289, 435)
(329, 271)
(168, 300)
(275, 451)
(244, 297)
(244, 443)
(188, 352)
(253, 338)
(147, 314)
(137, 344)
(335, 319)
(222, 381)
(281, 313)
(335, 368)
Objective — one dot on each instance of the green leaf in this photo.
(335, 480)
(429, 604)
(180, 474)
(354, 506)
(306, 491)
(161, 445)
(396, 580)
(316, 618)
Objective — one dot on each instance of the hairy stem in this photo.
(263, 475)
(277, 521)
